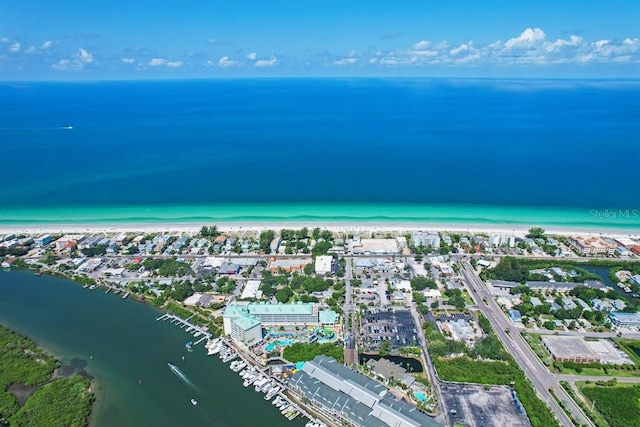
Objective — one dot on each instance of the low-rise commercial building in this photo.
(625, 320)
(288, 265)
(569, 349)
(324, 263)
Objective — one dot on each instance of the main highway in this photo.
(533, 368)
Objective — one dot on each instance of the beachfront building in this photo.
(350, 397)
(592, 245)
(43, 240)
(502, 240)
(425, 239)
(374, 246)
(69, 241)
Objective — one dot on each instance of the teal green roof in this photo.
(328, 316)
(235, 311)
(299, 308)
(247, 322)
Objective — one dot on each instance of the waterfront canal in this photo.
(120, 343)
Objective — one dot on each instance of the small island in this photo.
(31, 394)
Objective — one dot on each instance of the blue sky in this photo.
(142, 39)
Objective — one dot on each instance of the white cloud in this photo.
(212, 40)
(562, 44)
(252, 56)
(128, 60)
(4, 40)
(84, 56)
(390, 61)
(46, 45)
(530, 47)
(156, 62)
(226, 62)
(345, 61)
(63, 64)
(267, 62)
(15, 47)
(528, 38)
(421, 45)
(463, 48)
(174, 64)
(77, 62)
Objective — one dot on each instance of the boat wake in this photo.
(181, 374)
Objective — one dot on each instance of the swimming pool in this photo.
(282, 343)
(420, 396)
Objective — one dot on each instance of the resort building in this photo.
(592, 245)
(272, 314)
(241, 326)
(425, 239)
(351, 397)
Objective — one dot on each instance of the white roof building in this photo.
(323, 264)
(250, 289)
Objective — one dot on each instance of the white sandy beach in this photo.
(338, 227)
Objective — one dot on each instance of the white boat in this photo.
(272, 393)
(194, 402)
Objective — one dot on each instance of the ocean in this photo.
(548, 152)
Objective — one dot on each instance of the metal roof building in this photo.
(346, 394)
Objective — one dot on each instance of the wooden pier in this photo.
(185, 324)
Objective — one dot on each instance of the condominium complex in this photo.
(591, 245)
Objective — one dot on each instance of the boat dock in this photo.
(293, 406)
(187, 326)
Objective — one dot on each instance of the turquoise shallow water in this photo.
(411, 214)
(119, 342)
(396, 150)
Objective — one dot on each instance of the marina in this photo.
(189, 327)
(261, 381)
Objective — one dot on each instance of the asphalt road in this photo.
(540, 377)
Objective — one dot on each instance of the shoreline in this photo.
(335, 226)
(333, 216)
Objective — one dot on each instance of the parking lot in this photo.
(473, 406)
(394, 325)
